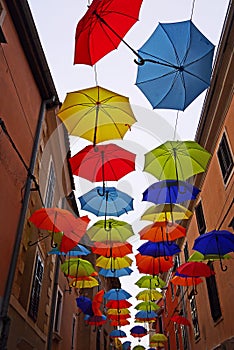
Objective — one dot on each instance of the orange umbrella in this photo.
(112, 249)
(121, 322)
(153, 266)
(162, 231)
(185, 281)
(97, 302)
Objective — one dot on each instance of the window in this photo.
(2, 16)
(160, 324)
(73, 332)
(213, 297)
(195, 324)
(58, 311)
(225, 158)
(36, 288)
(186, 252)
(50, 187)
(177, 336)
(201, 224)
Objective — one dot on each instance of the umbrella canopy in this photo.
(102, 163)
(85, 305)
(166, 212)
(195, 269)
(150, 282)
(113, 263)
(157, 249)
(170, 191)
(183, 280)
(176, 65)
(180, 320)
(84, 282)
(113, 203)
(119, 317)
(120, 322)
(96, 114)
(215, 242)
(149, 295)
(197, 256)
(126, 345)
(97, 302)
(117, 333)
(112, 249)
(118, 311)
(95, 320)
(126, 271)
(161, 231)
(158, 337)
(78, 250)
(138, 347)
(147, 306)
(103, 27)
(117, 294)
(118, 304)
(176, 160)
(138, 331)
(77, 267)
(153, 266)
(111, 231)
(145, 315)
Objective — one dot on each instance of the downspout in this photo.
(4, 318)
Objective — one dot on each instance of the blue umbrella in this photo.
(117, 294)
(215, 242)
(85, 305)
(112, 203)
(138, 331)
(145, 314)
(117, 333)
(76, 251)
(176, 65)
(157, 249)
(126, 345)
(170, 191)
(126, 271)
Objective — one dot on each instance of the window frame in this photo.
(194, 316)
(50, 186)
(213, 296)
(58, 311)
(36, 281)
(224, 152)
(2, 17)
(200, 218)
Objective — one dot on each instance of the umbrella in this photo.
(95, 320)
(103, 27)
(166, 212)
(149, 295)
(121, 322)
(145, 315)
(215, 242)
(126, 271)
(150, 282)
(170, 191)
(113, 263)
(118, 311)
(157, 249)
(158, 337)
(197, 256)
(113, 203)
(126, 345)
(84, 304)
(97, 302)
(112, 230)
(112, 249)
(180, 320)
(138, 347)
(138, 331)
(176, 160)
(77, 267)
(117, 333)
(118, 304)
(162, 231)
(147, 306)
(117, 294)
(84, 282)
(119, 317)
(153, 266)
(183, 280)
(176, 65)
(96, 114)
(195, 269)
(78, 250)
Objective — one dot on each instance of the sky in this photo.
(56, 22)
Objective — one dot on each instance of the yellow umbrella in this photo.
(84, 282)
(158, 337)
(113, 263)
(118, 311)
(166, 212)
(77, 267)
(96, 114)
(148, 295)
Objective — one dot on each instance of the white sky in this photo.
(56, 22)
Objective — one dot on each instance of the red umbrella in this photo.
(153, 266)
(195, 269)
(162, 231)
(120, 323)
(112, 249)
(96, 303)
(118, 304)
(186, 281)
(119, 317)
(102, 28)
(180, 320)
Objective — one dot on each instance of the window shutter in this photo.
(36, 289)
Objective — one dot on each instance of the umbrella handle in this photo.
(223, 267)
(31, 244)
(101, 194)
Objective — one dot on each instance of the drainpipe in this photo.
(4, 318)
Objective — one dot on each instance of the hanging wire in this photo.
(192, 10)
(176, 123)
(95, 75)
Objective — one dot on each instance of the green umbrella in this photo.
(150, 282)
(166, 212)
(197, 256)
(113, 230)
(176, 160)
(77, 267)
(147, 306)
